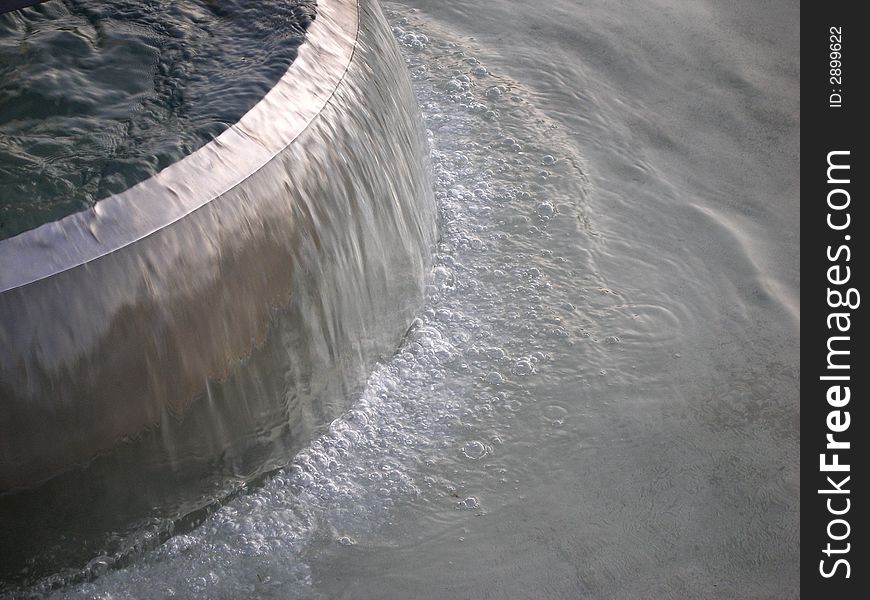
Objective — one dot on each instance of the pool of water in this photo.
(600, 397)
(97, 96)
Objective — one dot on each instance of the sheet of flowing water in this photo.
(600, 398)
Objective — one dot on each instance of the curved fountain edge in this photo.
(77, 296)
(120, 220)
(156, 364)
(116, 335)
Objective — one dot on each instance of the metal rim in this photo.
(151, 205)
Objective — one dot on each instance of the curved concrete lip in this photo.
(202, 176)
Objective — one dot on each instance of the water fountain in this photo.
(181, 337)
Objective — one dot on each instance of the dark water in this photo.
(96, 96)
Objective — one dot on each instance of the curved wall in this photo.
(202, 325)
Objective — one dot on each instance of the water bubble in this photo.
(495, 353)
(523, 367)
(495, 378)
(99, 565)
(474, 450)
(443, 277)
(470, 503)
(546, 210)
(555, 414)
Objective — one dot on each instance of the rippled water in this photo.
(600, 397)
(96, 96)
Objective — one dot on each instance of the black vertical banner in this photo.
(834, 263)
